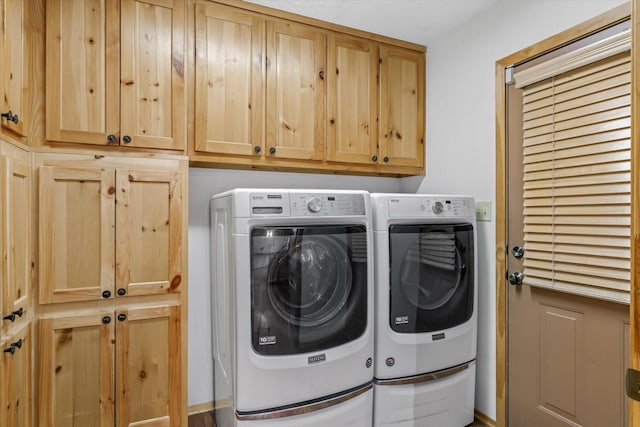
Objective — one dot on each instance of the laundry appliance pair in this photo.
(295, 283)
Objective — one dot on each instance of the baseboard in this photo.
(200, 408)
(479, 416)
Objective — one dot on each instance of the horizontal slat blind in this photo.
(577, 180)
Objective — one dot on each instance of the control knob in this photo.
(314, 205)
(437, 208)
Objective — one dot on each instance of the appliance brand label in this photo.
(402, 320)
(437, 337)
(268, 340)
(317, 358)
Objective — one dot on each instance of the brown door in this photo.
(567, 352)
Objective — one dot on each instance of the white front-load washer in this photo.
(426, 315)
(292, 306)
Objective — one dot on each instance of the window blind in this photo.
(577, 179)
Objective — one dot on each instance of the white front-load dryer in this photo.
(426, 314)
(292, 304)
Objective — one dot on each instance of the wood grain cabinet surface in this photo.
(113, 367)
(109, 232)
(16, 372)
(274, 90)
(115, 73)
(21, 40)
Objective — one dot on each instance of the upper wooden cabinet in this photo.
(296, 56)
(229, 83)
(21, 39)
(115, 72)
(109, 231)
(275, 90)
(352, 100)
(402, 99)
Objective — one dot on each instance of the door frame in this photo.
(591, 26)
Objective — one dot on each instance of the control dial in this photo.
(437, 207)
(314, 205)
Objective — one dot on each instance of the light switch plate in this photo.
(483, 210)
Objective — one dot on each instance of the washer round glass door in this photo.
(308, 287)
(431, 276)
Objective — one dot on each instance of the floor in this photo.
(206, 420)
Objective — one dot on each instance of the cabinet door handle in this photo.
(106, 294)
(122, 292)
(126, 139)
(19, 312)
(374, 159)
(111, 138)
(10, 117)
(257, 149)
(386, 160)
(11, 349)
(272, 150)
(106, 320)
(17, 344)
(122, 317)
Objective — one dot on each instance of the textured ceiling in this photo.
(419, 21)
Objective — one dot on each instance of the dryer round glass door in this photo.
(431, 276)
(308, 288)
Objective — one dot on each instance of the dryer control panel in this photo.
(307, 204)
(431, 207)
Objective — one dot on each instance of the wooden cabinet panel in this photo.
(296, 57)
(115, 72)
(148, 365)
(13, 65)
(352, 99)
(149, 232)
(17, 378)
(75, 376)
(82, 79)
(229, 81)
(17, 260)
(152, 110)
(402, 94)
(76, 238)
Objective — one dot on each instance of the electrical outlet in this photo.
(483, 211)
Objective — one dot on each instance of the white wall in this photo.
(203, 183)
(460, 155)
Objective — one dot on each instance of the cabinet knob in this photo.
(106, 294)
(106, 320)
(386, 159)
(126, 139)
(122, 317)
(17, 344)
(272, 150)
(11, 349)
(111, 138)
(11, 317)
(374, 158)
(257, 149)
(122, 292)
(10, 117)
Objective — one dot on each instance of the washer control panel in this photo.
(431, 207)
(307, 204)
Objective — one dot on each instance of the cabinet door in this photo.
(352, 100)
(82, 81)
(402, 95)
(76, 379)
(295, 91)
(148, 364)
(148, 232)
(229, 81)
(76, 238)
(152, 107)
(16, 244)
(13, 66)
(16, 384)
